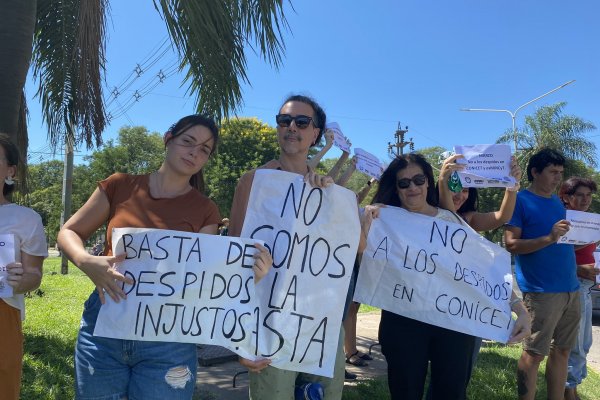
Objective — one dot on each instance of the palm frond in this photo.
(210, 37)
(68, 61)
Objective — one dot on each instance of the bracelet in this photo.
(514, 188)
(516, 300)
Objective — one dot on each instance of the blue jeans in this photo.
(577, 358)
(114, 369)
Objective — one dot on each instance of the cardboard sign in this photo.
(488, 165)
(437, 272)
(313, 236)
(7, 256)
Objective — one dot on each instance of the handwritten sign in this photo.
(585, 228)
(488, 165)
(313, 236)
(368, 164)
(7, 256)
(339, 139)
(437, 272)
(187, 287)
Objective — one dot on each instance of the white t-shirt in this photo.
(26, 226)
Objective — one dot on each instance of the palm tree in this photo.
(68, 38)
(549, 127)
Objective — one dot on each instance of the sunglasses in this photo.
(285, 120)
(418, 180)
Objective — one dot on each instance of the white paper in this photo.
(584, 229)
(597, 264)
(437, 272)
(339, 139)
(488, 165)
(313, 235)
(188, 287)
(7, 256)
(368, 164)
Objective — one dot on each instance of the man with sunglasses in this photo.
(300, 125)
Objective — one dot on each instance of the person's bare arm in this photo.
(362, 193)
(314, 161)
(345, 177)
(25, 275)
(516, 245)
(334, 172)
(448, 167)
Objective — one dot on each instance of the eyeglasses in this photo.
(285, 120)
(418, 180)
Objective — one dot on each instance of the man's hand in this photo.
(559, 229)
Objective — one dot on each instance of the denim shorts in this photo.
(114, 369)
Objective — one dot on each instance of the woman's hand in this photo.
(522, 327)
(449, 166)
(371, 212)
(15, 274)
(329, 136)
(316, 180)
(515, 169)
(103, 272)
(255, 366)
(262, 262)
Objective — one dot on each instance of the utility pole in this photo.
(66, 196)
(397, 149)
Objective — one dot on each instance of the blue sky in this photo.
(372, 64)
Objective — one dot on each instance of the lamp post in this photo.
(513, 114)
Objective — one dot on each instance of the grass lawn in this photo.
(53, 314)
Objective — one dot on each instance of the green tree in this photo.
(244, 144)
(68, 39)
(550, 127)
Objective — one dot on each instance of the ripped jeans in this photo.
(115, 369)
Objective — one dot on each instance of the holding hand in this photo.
(15, 274)
(316, 180)
(449, 166)
(103, 272)
(254, 366)
(559, 229)
(329, 136)
(262, 262)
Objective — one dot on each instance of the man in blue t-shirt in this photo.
(546, 274)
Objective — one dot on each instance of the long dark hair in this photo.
(471, 203)
(185, 123)
(12, 159)
(387, 191)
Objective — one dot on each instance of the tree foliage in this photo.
(244, 144)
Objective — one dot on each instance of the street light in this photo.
(513, 115)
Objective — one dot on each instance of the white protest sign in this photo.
(339, 139)
(188, 287)
(368, 164)
(7, 256)
(584, 229)
(313, 235)
(437, 272)
(488, 165)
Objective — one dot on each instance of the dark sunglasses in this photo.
(285, 120)
(418, 180)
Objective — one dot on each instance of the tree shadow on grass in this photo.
(48, 371)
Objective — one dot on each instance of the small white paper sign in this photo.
(7, 256)
(597, 264)
(313, 236)
(339, 139)
(437, 272)
(368, 164)
(488, 165)
(585, 228)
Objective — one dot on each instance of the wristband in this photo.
(515, 301)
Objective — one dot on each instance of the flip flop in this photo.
(356, 360)
(364, 356)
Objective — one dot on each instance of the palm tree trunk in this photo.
(17, 24)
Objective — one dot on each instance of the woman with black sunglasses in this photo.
(407, 344)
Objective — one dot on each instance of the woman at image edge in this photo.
(169, 198)
(407, 344)
(23, 275)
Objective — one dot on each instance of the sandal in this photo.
(356, 360)
(364, 356)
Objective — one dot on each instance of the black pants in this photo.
(409, 345)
